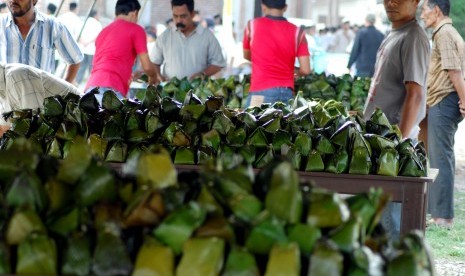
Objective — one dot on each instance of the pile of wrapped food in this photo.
(314, 136)
(78, 216)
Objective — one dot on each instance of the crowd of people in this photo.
(409, 74)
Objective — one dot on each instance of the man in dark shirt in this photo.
(367, 42)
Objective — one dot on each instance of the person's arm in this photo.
(411, 108)
(456, 77)
(71, 72)
(304, 68)
(209, 71)
(149, 68)
(247, 55)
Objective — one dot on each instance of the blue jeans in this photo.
(272, 95)
(86, 66)
(443, 120)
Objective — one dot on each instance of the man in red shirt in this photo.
(116, 49)
(272, 44)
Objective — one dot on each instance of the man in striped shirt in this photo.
(30, 37)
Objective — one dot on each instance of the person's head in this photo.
(183, 14)
(370, 19)
(51, 9)
(218, 19)
(21, 8)
(93, 13)
(128, 8)
(400, 12)
(274, 7)
(345, 24)
(73, 6)
(433, 11)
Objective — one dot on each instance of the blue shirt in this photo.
(38, 49)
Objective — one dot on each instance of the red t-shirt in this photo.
(274, 45)
(117, 47)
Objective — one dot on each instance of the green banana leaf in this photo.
(151, 97)
(97, 145)
(410, 165)
(211, 139)
(97, 184)
(324, 145)
(179, 225)
(338, 162)
(113, 129)
(245, 206)
(152, 122)
(67, 130)
(110, 256)
(26, 191)
(315, 162)
(5, 267)
(37, 255)
(54, 149)
(21, 225)
(58, 195)
(326, 210)
(360, 162)
(343, 135)
(347, 237)
(388, 162)
(240, 263)
(305, 236)
(284, 259)
(75, 163)
(21, 126)
(280, 138)
(326, 260)
(170, 109)
(117, 152)
(77, 256)
(222, 123)
(248, 152)
(265, 234)
(52, 107)
(322, 116)
(192, 111)
(145, 209)
(237, 137)
(174, 135)
(111, 102)
(285, 189)
(88, 103)
(201, 257)
(154, 259)
(293, 156)
(366, 262)
(184, 156)
(258, 138)
(213, 104)
(265, 158)
(249, 121)
(378, 117)
(64, 224)
(379, 143)
(216, 226)
(303, 143)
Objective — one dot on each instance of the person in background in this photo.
(272, 44)
(363, 54)
(3, 8)
(51, 9)
(90, 31)
(446, 90)
(71, 20)
(342, 38)
(27, 30)
(116, 52)
(398, 86)
(26, 87)
(190, 50)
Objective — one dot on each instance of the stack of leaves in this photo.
(351, 92)
(313, 136)
(79, 217)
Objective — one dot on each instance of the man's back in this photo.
(117, 47)
(363, 53)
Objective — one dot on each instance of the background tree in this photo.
(457, 13)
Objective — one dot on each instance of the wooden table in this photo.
(410, 191)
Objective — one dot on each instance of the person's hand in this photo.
(462, 108)
(198, 75)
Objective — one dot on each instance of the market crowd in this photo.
(412, 77)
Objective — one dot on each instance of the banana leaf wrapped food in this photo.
(284, 259)
(154, 259)
(202, 257)
(240, 262)
(37, 254)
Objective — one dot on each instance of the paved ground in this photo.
(445, 267)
